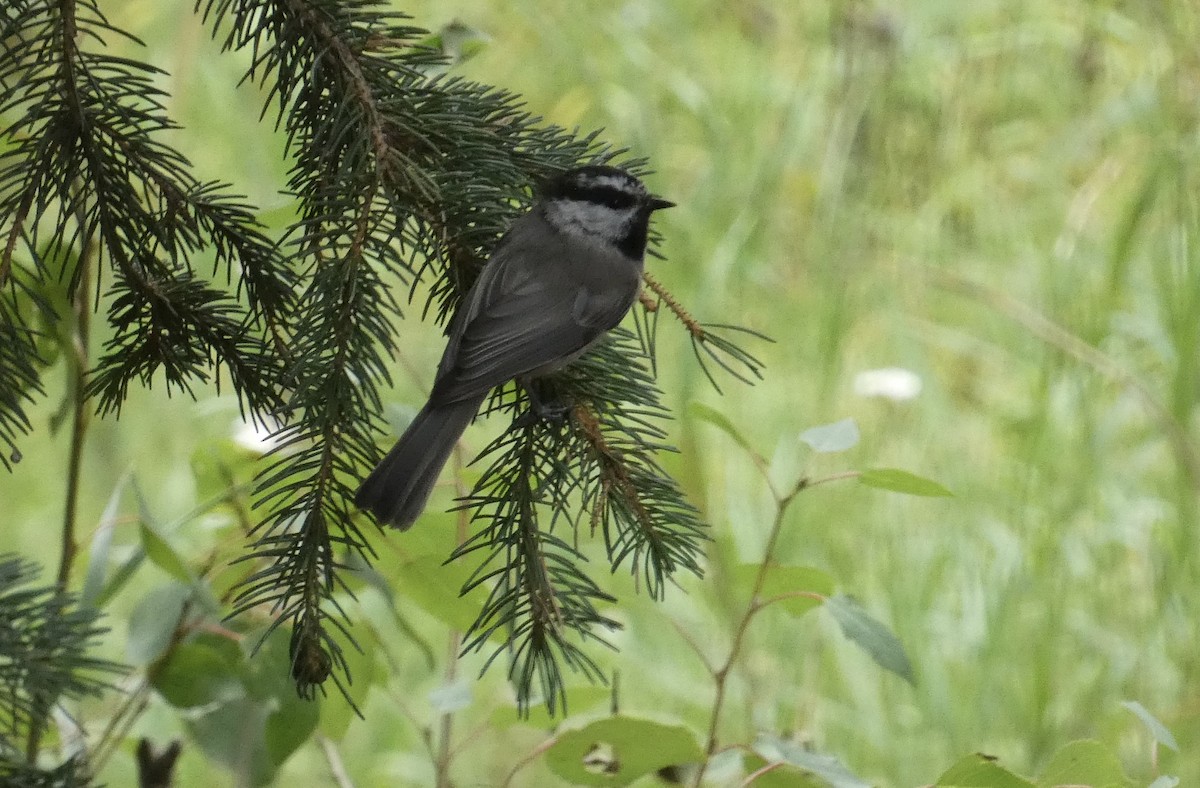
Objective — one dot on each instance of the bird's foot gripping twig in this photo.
(544, 404)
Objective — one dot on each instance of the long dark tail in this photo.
(397, 490)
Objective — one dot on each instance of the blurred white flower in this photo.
(894, 383)
(256, 436)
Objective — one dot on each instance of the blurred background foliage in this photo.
(1001, 197)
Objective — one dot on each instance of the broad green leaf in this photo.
(268, 663)
(438, 540)
(839, 436)
(1086, 762)
(1156, 728)
(199, 673)
(876, 639)
(618, 750)
(159, 551)
(232, 734)
(1165, 781)
(97, 567)
(579, 699)
(785, 776)
(825, 766)
(153, 622)
(121, 576)
(434, 585)
(980, 771)
(721, 422)
(727, 766)
(782, 580)
(374, 579)
(292, 719)
(336, 712)
(289, 725)
(900, 481)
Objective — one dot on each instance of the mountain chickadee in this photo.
(564, 273)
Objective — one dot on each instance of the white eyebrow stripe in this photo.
(613, 182)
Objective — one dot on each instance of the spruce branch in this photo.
(85, 156)
(598, 470)
(353, 97)
(709, 340)
(20, 379)
(644, 517)
(80, 421)
(429, 171)
(45, 642)
(404, 180)
(70, 774)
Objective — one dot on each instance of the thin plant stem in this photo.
(721, 675)
(69, 547)
(835, 477)
(337, 768)
(760, 772)
(119, 725)
(445, 751)
(80, 340)
(532, 756)
(755, 604)
(117, 730)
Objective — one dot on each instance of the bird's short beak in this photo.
(658, 203)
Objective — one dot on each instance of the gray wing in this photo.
(534, 305)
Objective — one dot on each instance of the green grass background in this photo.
(999, 196)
